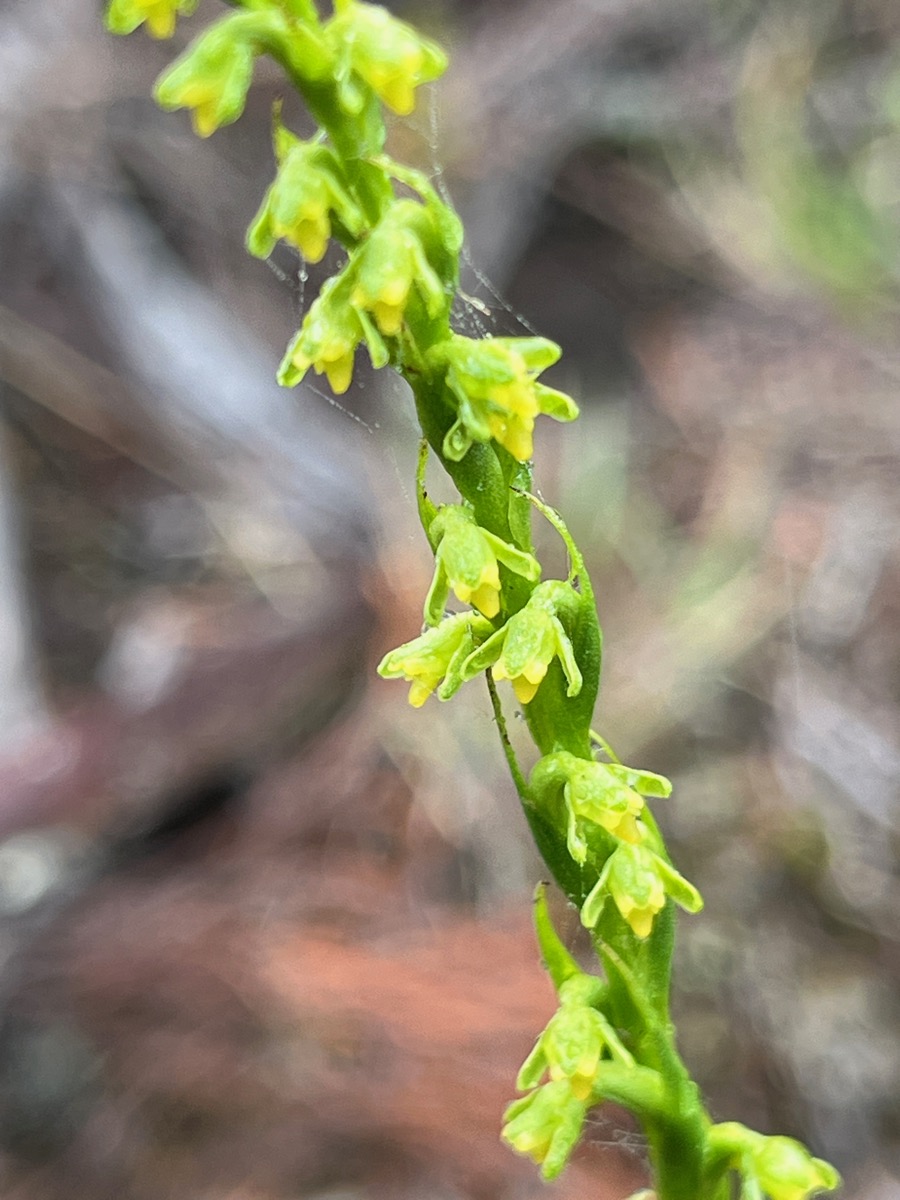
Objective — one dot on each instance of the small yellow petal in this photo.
(419, 693)
(205, 120)
(627, 829)
(524, 688)
(339, 372)
(531, 1142)
(301, 361)
(518, 441)
(485, 598)
(394, 292)
(514, 435)
(516, 398)
(640, 920)
(311, 238)
(388, 317)
(160, 23)
(399, 95)
(535, 671)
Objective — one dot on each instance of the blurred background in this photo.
(266, 929)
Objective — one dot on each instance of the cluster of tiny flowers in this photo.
(603, 805)
(393, 294)
(521, 650)
(363, 49)
(392, 269)
(578, 1043)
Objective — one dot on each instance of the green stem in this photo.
(512, 762)
(688, 1162)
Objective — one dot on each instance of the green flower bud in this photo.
(211, 78)
(328, 338)
(393, 263)
(546, 1125)
(785, 1170)
(529, 641)
(777, 1167)
(437, 655)
(391, 56)
(466, 558)
(493, 380)
(309, 188)
(124, 16)
(638, 881)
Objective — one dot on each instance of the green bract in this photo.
(397, 243)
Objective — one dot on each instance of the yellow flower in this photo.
(529, 641)
(435, 656)
(327, 340)
(786, 1170)
(308, 188)
(641, 909)
(124, 16)
(392, 57)
(494, 383)
(466, 560)
(638, 881)
(211, 78)
(575, 1040)
(545, 1125)
(777, 1167)
(392, 265)
(608, 795)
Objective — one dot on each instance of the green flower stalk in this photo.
(478, 402)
